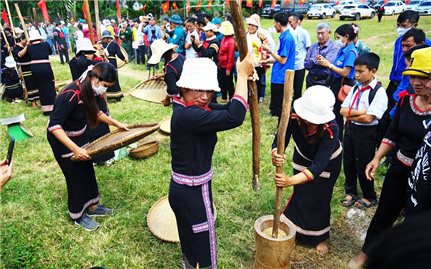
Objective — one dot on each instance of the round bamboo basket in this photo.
(145, 150)
(165, 126)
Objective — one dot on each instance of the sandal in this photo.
(361, 204)
(348, 202)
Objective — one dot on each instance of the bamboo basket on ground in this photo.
(145, 150)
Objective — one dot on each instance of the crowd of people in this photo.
(345, 116)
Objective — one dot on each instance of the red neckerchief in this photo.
(189, 104)
(356, 100)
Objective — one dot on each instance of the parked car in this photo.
(394, 7)
(413, 4)
(321, 11)
(338, 8)
(357, 12)
(269, 12)
(424, 8)
(377, 5)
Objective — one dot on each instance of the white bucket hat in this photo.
(199, 74)
(10, 62)
(253, 20)
(159, 47)
(226, 28)
(84, 44)
(210, 27)
(34, 35)
(316, 105)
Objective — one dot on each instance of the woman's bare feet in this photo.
(322, 248)
(358, 261)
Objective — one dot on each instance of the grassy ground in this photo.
(36, 231)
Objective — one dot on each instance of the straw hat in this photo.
(107, 34)
(84, 44)
(199, 74)
(226, 28)
(10, 62)
(158, 48)
(253, 20)
(210, 27)
(420, 63)
(176, 19)
(316, 105)
(34, 35)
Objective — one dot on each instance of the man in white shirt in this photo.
(302, 43)
(191, 31)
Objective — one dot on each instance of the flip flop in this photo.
(346, 202)
(362, 204)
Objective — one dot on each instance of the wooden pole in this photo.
(24, 27)
(34, 14)
(10, 17)
(5, 39)
(240, 36)
(89, 22)
(281, 136)
(96, 15)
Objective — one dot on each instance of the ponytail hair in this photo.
(348, 29)
(104, 72)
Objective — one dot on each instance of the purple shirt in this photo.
(329, 51)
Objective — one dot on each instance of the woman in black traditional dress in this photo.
(194, 126)
(112, 49)
(41, 71)
(75, 112)
(24, 61)
(316, 166)
(85, 57)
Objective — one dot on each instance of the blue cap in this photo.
(176, 19)
(216, 21)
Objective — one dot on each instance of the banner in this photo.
(118, 6)
(165, 6)
(42, 5)
(249, 3)
(4, 16)
(260, 3)
(188, 6)
(210, 2)
(273, 3)
(301, 2)
(174, 5)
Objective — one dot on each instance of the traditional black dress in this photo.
(79, 65)
(193, 138)
(25, 63)
(309, 206)
(69, 114)
(173, 71)
(406, 132)
(43, 77)
(12, 85)
(112, 49)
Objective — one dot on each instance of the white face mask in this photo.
(99, 89)
(401, 31)
(339, 43)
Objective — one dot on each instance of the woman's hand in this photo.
(322, 61)
(122, 126)
(282, 180)
(277, 159)
(81, 154)
(245, 67)
(371, 168)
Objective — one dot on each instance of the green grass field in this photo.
(35, 228)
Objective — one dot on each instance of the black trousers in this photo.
(261, 84)
(141, 54)
(226, 83)
(276, 99)
(392, 201)
(359, 147)
(298, 82)
(335, 87)
(63, 53)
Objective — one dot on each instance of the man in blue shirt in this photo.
(153, 32)
(283, 59)
(179, 35)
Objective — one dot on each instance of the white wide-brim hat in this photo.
(84, 44)
(210, 27)
(158, 48)
(10, 62)
(226, 28)
(199, 74)
(253, 20)
(316, 105)
(34, 35)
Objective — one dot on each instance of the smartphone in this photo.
(10, 150)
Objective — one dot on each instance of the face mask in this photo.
(99, 90)
(401, 31)
(339, 43)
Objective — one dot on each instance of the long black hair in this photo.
(104, 72)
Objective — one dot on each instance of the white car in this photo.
(394, 7)
(357, 12)
(321, 11)
(413, 4)
(424, 8)
(338, 8)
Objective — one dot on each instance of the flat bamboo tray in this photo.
(150, 90)
(121, 63)
(119, 138)
(165, 126)
(145, 150)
